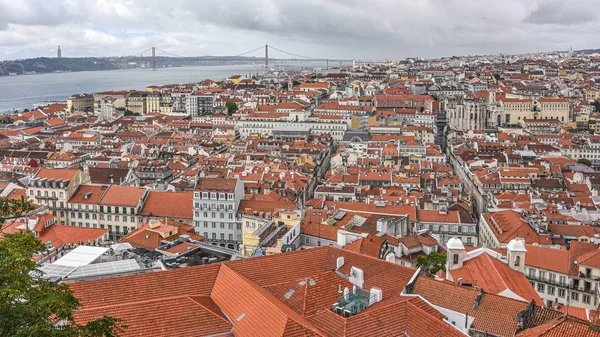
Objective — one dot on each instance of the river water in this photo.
(25, 91)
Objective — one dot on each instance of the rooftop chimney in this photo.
(357, 277)
(339, 262)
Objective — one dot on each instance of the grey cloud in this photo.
(564, 13)
(323, 28)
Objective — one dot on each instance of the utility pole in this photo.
(266, 56)
(153, 58)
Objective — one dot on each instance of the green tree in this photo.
(32, 306)
(231, 107)
(596, 104)
(130, 113)
(585, 162)
(432, 263)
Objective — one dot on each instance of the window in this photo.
(561, 293)
(306, 241)
(204, 195)
(222, 236)
(517, 261)
(116, 218)
(551, 290)
(222, 215)
(575, 296)
(585, 299)
(222, 226)
(109, 217)
(214, 225)
(230, 237)
(541, 287)
(455, 259)
(230, 215)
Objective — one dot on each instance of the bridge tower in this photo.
(153, 58)
(266, 56)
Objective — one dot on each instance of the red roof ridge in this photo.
(121, 304)
(192, 297)
(277, 304)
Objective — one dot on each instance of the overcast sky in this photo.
(374, 29)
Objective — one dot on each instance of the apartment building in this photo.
(200, 104)
(565, 277)
(136, 102)
(313, 128)
(444, 224)
(516, 110)
(83, 208)
(119, 210)
(216, 203)
(54, 188)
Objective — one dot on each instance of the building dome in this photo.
(455, 244)
(516, 245)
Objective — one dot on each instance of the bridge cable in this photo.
(292, 54)
(248, 52)
(147, 50)
(170, 54)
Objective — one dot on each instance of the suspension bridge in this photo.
(288, 57)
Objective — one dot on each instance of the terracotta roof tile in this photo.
(494, 276)
(128, 196)
(169, 204)
(174, 316)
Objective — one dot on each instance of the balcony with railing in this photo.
(547, 280)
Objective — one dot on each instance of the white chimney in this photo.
(346, 294)
(357, 277)
(375, 295)
(339, 263)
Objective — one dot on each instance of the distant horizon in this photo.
(280, 58)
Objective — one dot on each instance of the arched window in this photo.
(517, 261)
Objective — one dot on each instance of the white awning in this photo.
(81, 256)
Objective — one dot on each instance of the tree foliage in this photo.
(130, 113)
(585, 162)
(31, 306)
(596, 105)
(231, 107)
(432, 263)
